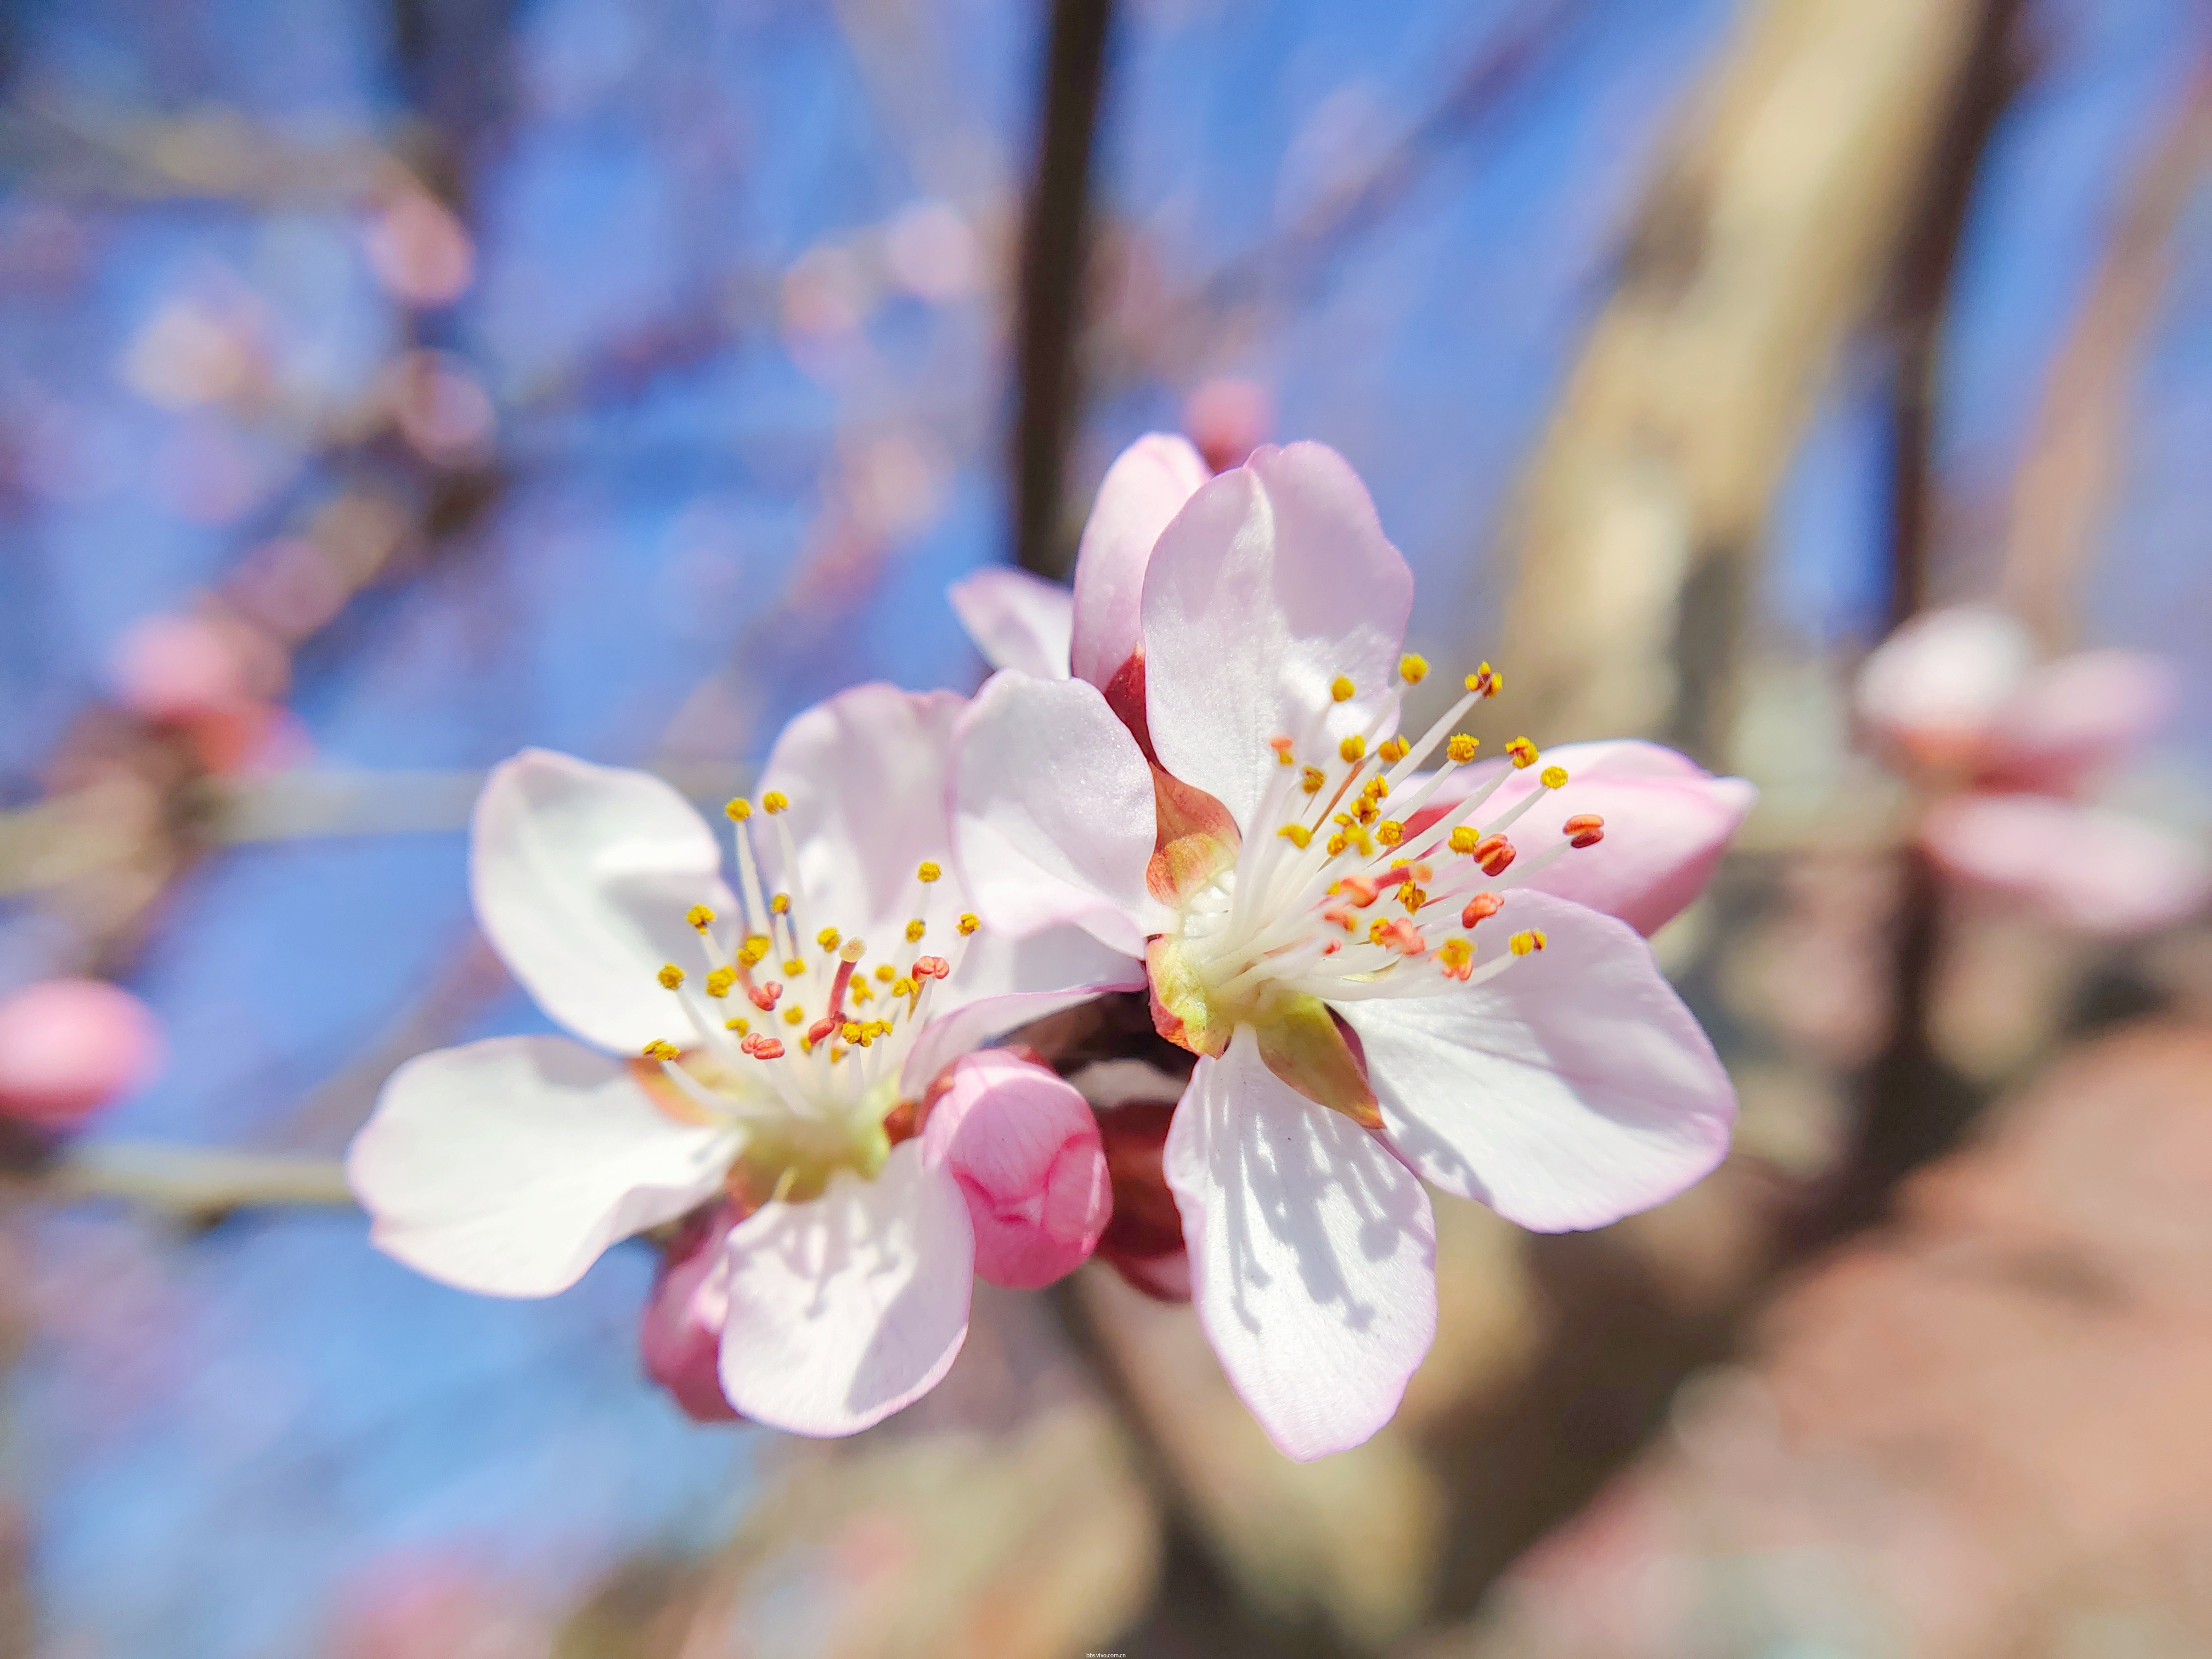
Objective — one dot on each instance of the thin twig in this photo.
(194, 1184)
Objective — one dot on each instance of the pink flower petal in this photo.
(2095, 870)
(2077, 717)
(866, 773)
(1025, 1149)
(69, 1047)
(1273, 581)
(1145, 488)
(680, 1333)
(1936, 685)
(847, 1307)
(1054, 817)
(506, 1166)
(1312, 1253)
(1017, 620)
(1667, 824)
(581, 875)
(1571, 1090)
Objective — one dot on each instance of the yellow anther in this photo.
(670, 977)
(1464, 839)
(1297, 834)
(1361, 840)
(1392, 750)
(859, 990)
(885, 973)
(1376, 930)
(795, 1015)
(699, 917)
(969, 922)
(806, 1047)
(1341, 689)
(753, 950)
(902, 987)
(741, 1025)
(1486, 682)
(719, 982)
(774, 801)
(852, 951)
(1461, 748)
(1313, 779)
(850, 1031)
(827, 939)
(1353, 748)
(781, 904)
(1454, 955)
(1413, 669)
(914, 930)
(737, 809)
(1389, 832)
(927, 871)
(1522, 752)
(1523, 945)
(1552, 777)
(795, 966)
(1337, 844)
(1376, 787)
(658, 1050)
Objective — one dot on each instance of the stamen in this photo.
(1297, 834)
(1341, 690)
(1413, 669)
(914, 930)
(1494, 854)
(763, 996)
(1552, 777)
(1486, 682)
(1353, 748)
(699, 917)
(927, 871)
(670, 977)
(1584, 829)
(719, 981)
(969, 922)
(1481, 907)
(1524, 944)
(656, 1050)
(1455, 959)
(1522, 753)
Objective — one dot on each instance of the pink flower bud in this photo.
(680, 1337)
(70, 1046)
(1024, 1148)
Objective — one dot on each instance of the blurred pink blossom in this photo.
(680, 1336)
(2008, 750)
(69, 1047)
(1227, 419)
(420, 251)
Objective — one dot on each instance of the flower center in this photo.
(1349, 881)
(798, 1038)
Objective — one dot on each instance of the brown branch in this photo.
(1054, 250)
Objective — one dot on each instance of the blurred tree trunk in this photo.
(1771, 228)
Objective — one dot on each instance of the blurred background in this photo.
(385, 384)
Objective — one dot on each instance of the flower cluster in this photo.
(1397, 963)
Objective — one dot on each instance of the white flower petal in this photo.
(581, 875)
(1274, 579)
(847, 1307)
(1141, 492)
(1017, 620)
(1312, 1253)
(505, 1167)
(1053, 813)
(866, 775)
(1571, 1090)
